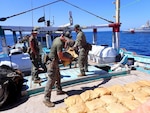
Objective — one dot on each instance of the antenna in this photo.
(31, 11)
(5, 18)
(70, 18)
(53, 21)
(44, 15)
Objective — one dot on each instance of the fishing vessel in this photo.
(103, 55)
(104, 62)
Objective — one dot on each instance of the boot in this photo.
(80, 75)
(37, 80)
(48, 103)
(61, 92)
(86, 70)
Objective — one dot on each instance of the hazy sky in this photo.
(133, 13)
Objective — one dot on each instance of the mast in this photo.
(118, 21)
(117, 11)
(116, 28)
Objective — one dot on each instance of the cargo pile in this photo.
(112, 99)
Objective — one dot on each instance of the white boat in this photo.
(143, 29)
(17, 59)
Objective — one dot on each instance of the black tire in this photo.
(4, 93)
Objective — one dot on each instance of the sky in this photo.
(133, 13)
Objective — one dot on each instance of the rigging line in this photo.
(88, 12)
(33, 9)
(44, 16)
(49, 13)
(130, 4)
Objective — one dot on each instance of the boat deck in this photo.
(96, 77)
(68, 77)
(34, 104)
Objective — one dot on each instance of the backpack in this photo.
(11, 82)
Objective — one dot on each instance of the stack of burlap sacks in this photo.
(113, 99)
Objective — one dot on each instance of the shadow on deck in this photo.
(68, 78)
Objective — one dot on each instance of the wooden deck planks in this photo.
(67, 74)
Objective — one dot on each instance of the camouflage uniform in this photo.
(34, 56)
(83, 52)
(53, 71)
(70, 43)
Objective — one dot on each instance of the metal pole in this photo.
(14, 37)
(3, 41)
(117, 21)
(48, 43)
(94, 36)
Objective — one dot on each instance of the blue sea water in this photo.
(137, 42)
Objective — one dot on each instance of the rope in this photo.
(130, 3)
(4, 18)
(88, 12)
(30, 10)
